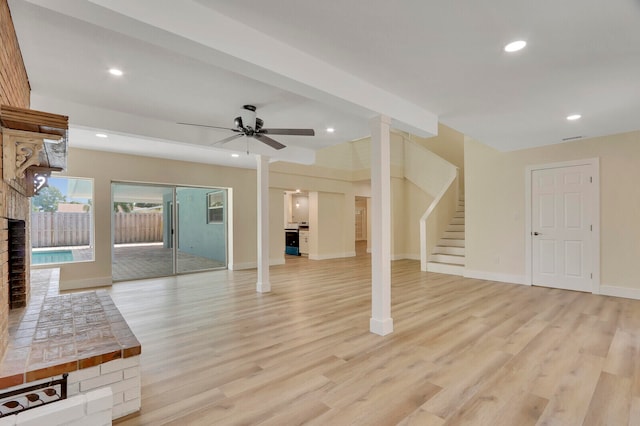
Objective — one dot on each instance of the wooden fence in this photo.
(138, 228)
(74, 229)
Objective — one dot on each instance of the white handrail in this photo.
(423, 220)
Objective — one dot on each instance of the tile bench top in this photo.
(60, 333)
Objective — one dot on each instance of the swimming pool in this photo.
(53, 256)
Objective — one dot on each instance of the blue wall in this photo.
(196, 235)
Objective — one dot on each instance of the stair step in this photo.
(445, 268)
(453, 234)
(448, 250)
(447, 258)
(451, 242)
(457, 221)
(454, 227)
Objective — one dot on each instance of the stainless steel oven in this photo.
(292, 239)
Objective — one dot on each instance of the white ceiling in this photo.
(316, 64)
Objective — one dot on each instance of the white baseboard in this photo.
(85, 283)
(442, 268)
(331, 256)
(496, 276)
(405, 256)
(626, 292)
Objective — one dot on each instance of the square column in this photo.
(263, 285)
(381, 322)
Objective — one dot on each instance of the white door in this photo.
(561, 227)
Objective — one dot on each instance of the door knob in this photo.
(537, 233)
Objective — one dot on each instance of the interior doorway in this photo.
(362, 228)
(361, 219)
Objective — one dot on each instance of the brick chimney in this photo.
(14, 203)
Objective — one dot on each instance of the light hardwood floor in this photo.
(464, 351)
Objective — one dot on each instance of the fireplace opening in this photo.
(17, 264)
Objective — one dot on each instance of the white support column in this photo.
(263, 285)
(381, 322)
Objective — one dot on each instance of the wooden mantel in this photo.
(34, 142)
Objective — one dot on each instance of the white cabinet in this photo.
(304, 242)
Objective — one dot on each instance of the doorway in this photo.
(563, 225)
(162, 230)
(361, 225)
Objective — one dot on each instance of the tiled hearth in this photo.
(59, 333)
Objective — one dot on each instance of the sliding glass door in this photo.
(161, 230)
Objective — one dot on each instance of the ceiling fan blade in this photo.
(229, 139)
(267, 140)
(211, 127)
(293, 132)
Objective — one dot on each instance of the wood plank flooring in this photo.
(464, 351)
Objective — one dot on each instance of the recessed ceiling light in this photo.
(514, 46)
(101, 135)
(115, 71)
(573, 117)
(330, 130)
(235, 155)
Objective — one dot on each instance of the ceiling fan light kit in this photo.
(247, 124)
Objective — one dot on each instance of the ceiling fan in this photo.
(247, 124)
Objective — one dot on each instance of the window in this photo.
(215, 207)
(62, 222)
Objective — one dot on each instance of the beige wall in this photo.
(324, 185)
(416, 203)
(449, 144)
(106, 167)
(495, 204)
(276, 226)
(335, 188)
(332, 239)
(398, 218)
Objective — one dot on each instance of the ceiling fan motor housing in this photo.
(247, 117)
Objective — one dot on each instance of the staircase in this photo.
(448, 255)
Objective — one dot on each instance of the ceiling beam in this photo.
(193, 29)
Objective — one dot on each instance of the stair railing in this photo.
(438, 178)
(444, 203)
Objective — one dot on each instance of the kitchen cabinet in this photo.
(304, 242)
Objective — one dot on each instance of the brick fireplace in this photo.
(14, 203)
(24, 156)
(14, 254)
(17, 263)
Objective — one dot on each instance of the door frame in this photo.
(173, 211)
(594, 163)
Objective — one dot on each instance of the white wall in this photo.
(495, 203)
(93, 408)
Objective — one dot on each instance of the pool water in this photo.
(55, 256)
